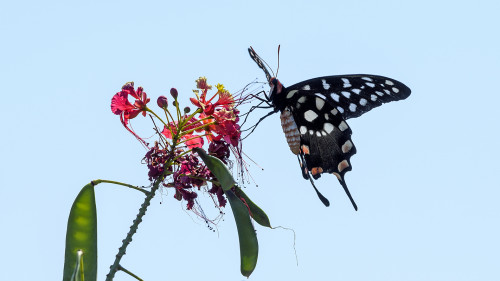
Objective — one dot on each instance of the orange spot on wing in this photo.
(316, 171)
(305, 149)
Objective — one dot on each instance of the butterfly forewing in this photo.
(355, 94)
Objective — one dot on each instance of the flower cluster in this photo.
(221, 114)
(171, 160)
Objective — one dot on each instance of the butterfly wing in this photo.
(316, 110)
(353, 95)
(325, 138)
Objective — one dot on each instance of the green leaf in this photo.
(249, 246)
(217, 167)
(256, 212)
(81, 235)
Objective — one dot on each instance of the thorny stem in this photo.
(96, 182)
(133, 228)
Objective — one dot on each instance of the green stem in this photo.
(197, 128)
(129, 273)
(158, 117)
(96, 182)
(184, 121)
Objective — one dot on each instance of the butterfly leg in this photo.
(252, 109)
(252, 128)
(266, 100)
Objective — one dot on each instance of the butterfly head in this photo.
(276, 88)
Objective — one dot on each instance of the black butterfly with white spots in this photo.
(313, 114)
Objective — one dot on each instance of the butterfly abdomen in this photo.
(291, 131)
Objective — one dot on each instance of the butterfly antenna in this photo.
(267, 65)
(278, 69)
(344, 185)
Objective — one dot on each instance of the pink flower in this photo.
(120, 105)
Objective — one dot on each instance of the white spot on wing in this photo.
(326, 86)
(367, 79)
(340, 109)
(302, 99)
(369, 84)
(291, 93)
(346, 94)
(356, 91)
(387, 91)
(328, 127)
(396, 90)
(389, 82)
(379, 93)
(334, 111)
(326, 116)
(347, 84)
(363, 102)
(320, 95)
(310, 115)
(303, 130)
(311, 132)
(306, 87)
(346, 147)
(373, 97)
(343, 126)
(342, 165)
(323, 133)
(319, 103)
(318, 133)
(335, 97)
(352, 107)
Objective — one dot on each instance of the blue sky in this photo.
(425, 176)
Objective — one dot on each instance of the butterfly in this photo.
(313, 115)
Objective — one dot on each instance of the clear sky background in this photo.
(425, 177)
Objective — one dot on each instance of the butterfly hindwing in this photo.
(354, 94)
(325, 137)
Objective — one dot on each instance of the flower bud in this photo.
(162, 102)
(187, 109)
(174, 93)
(175, 103)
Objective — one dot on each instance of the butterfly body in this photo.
(314, 114)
